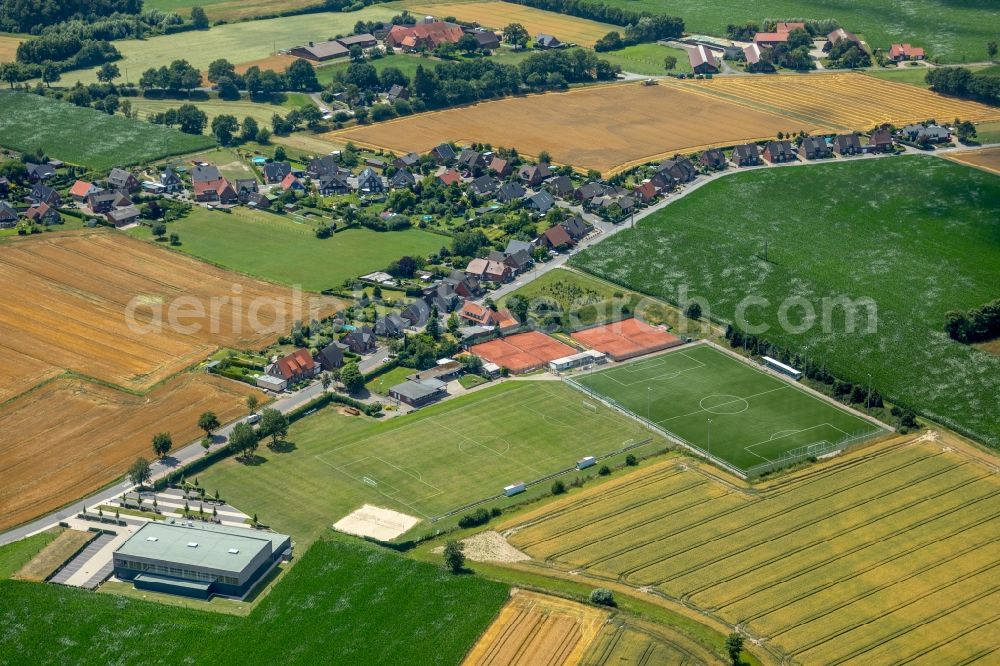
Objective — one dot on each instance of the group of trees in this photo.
(662, 26)
(976, 325)
(646, 29)
(846, 54)
(31, 15)
(962, 82)
(265, 84)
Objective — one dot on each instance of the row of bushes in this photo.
(668, 27)
(976, 325)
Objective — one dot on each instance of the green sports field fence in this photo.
(789, 458)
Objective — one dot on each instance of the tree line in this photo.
(667, 27)
(963, 82)
(646, 29)
(976, 325)
(30, 15)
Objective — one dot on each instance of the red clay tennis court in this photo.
(626, 339)
(523, 352)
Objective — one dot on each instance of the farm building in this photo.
(364, 40)
(544, 41)
(320, 51)
(703, 61)
(199, 561)
(418, 393)
(429, 34)
(752, 53)
(838, 35)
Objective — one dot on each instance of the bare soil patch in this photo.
(375, 522)
(987, 159)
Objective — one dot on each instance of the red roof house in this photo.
(290, 182)
(905, 52)
(424, 35)
(295, 367)
(450, 176)
(82, 189)
(556, 237)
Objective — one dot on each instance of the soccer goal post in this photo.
(589, 405)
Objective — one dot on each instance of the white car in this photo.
(253, 418)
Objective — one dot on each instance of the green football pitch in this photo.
(727, 407)
(438, 459)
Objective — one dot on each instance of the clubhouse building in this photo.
(199, 560)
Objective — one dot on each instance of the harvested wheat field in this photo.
(607, 127)
(8, 48)
(886, 555)
(844, 101)
(70, 437)
(539, 630)
(496, 15)
(67, 299)
(987, 159)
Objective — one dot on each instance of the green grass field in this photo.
(87, 137)
(426, 463)
(916, 235)
(284, 249)
(953, 31)
(407, 64)
(241, 109)
(647, 59)
(884, 557)
(381, 384)
(719, 404)
(16, 555)
(236, 42)
(342, 603)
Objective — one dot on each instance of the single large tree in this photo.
(140, 472)
(208, 422)
(454, 557)
(252, 402)
(108, 72)
(198, 18)
(734, 646)
(273, 424)
(243, 440)
(351, 378)
(162, 443)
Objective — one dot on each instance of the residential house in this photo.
(258, 201)
(39, 172)
(322, 166)
(502, 168)
(122, 200)
(375, 163)
(245, 187)
(486, 39)
(443, 153)
(470, 159)
(369, 181)
(120, 179)
(364, 40)
(576, 227)
(555, 237)
(713, 158)
(646, 191)
(511, 191)
(82, 189)
(769, 39)
(397, 92)
(390, 326)
(205, 173)
(703, 61)
(443, 297)
(779, 151)
(407, 161)
(463, 284)
(402, 179)
(534, 174)
(515, 246)
(880, 140)
(102, 201)
(294, 368)
(847, 144)
(41, 193)
(517, 262)
(624, 202)
(320, 51)
(417, 313)
(170, 181)
(275, 172)
(450, 177)
(815, 148)
(591, 190)
(560, 186)
(331, 357)
(838, 35)
(679, 168)
(478, 314)
(8, 215)
(663, 182)
(360, 341)
(290, 182)
(121, 217)
(483, 186)
(541, 203)
(926, 133)
(215, 191)
(4, 186)
(329, 184)
(544, 41)
(746, 154)
(494, 271)
(42, 213)
(900, 52)
(426, 35)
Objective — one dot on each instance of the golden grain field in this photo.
(883, 556)
(8, 48)
(607, 128)
(496, 15)
(847, 101)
